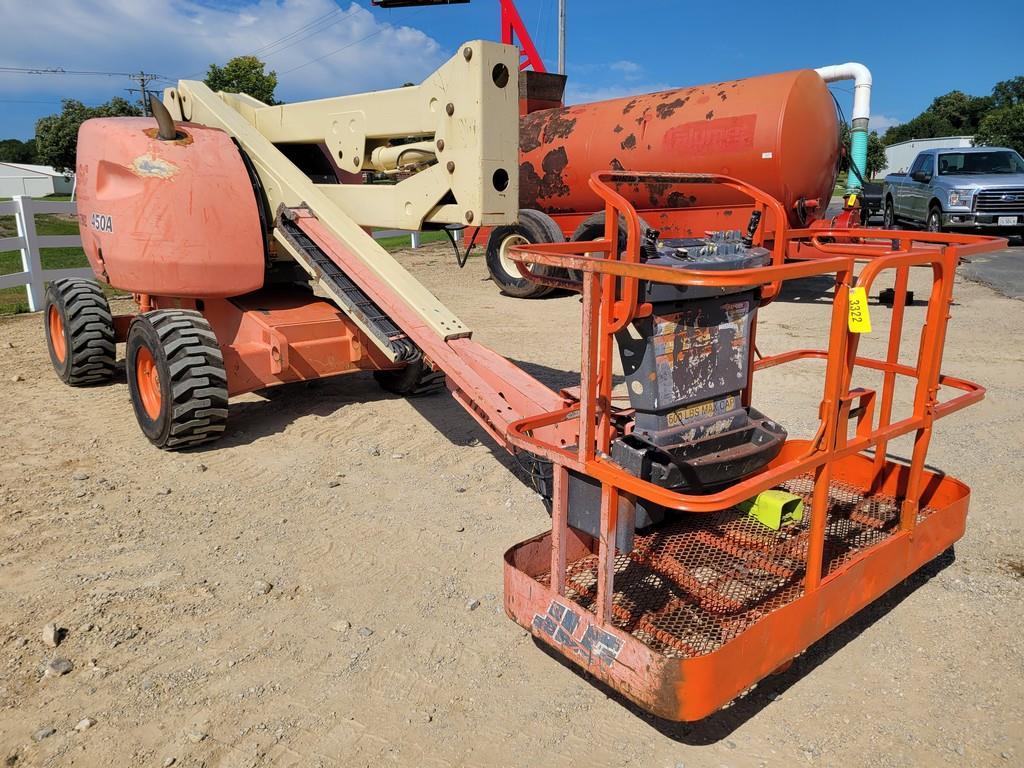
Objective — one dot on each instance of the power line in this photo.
(337, 50)
(62, 71)
(382, 28)
(265, 51)
(30, 101)
(313, 33)
(294, 32)
(142, 78)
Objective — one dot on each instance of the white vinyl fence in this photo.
(34, 277)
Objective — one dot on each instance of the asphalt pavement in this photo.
(1002, 270)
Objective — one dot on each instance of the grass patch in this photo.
(402, 241)
(15, 300)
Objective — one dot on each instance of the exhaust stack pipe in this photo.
(164, 122)
(861, 77)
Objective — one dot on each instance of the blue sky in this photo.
(614, 47)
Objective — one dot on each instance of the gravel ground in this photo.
(302, 594)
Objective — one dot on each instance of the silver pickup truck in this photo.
(975, 188)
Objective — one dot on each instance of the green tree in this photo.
(876, 152)
(927, 125)
(243, 74)
(960, 110)
(1003, 127)
(876, 155)
(57, 135)
(1008, 93)
(16, 151)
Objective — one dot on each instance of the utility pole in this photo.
(143, 79)
(561, 37)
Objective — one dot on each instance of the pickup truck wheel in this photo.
(889, 216)
(934, 219)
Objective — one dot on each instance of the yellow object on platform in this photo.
(774, 508)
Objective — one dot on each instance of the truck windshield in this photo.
(971, 163)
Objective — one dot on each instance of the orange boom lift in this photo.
(240, 229)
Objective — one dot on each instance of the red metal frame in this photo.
(692, 688)
(512, 26)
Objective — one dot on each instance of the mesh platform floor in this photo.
(695, 583)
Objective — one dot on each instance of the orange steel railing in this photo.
(610, 283)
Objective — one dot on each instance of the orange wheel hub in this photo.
(56, 326)
(147, 379)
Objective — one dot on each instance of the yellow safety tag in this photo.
(860, 317)
(851, 200)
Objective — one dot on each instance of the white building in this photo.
(898, 157)
(33, 181)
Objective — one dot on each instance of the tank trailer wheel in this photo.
(176, 378)
(592, 228)
(533, 227)
(79, 332)
(415, 380)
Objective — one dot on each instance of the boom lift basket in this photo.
(711, 601)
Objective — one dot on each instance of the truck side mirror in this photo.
(922, 176)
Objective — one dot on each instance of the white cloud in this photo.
(353, 52)
(629, 69)
(881, 122)
(582, 93)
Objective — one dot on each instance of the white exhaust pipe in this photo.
(861, 77)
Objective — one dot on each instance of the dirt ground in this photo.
(299, 594)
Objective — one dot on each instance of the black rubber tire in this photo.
(889, 216)
(415, 380)
(193, 382)
(592, 228)
(87, 329)
(934, 221)
(534, 227)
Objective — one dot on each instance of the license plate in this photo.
(1005, 221)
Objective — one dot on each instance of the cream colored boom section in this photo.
(344, 213)
(467, 111)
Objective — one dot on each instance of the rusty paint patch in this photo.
(155, 167)
(629, 142)
(534, 188)
(629, 106)
(559, 126)
(679, 199)
(182, 139)
(544, 127)
(667, 110)
(615, 165)
(617, 129)
(529, 132)
(655, 190)
(710, 115)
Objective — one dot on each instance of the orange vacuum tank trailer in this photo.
(237, 229)
(777, 132)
